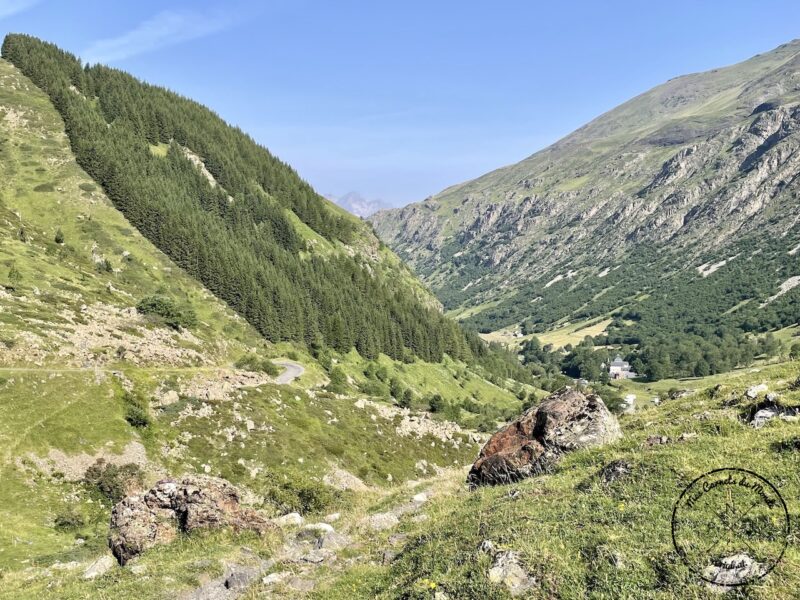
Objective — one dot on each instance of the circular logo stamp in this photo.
(730, 526)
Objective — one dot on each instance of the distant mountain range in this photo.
(356, 204)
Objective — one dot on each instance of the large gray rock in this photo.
(565, 421)
(198, 502)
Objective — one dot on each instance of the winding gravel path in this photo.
(292, 371)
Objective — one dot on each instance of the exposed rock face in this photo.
(143, 521)
(670, 169)
(565, 421)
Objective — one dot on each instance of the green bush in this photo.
(338, 381)
(297, 492)
(137, 416)
(69, 520)
(87, 187)
(374, 388)
(136, 413)
(59, 239)
(166, 309)
(45, 187)
(111, 481)
(252, 362)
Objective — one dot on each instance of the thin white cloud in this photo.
(9, 8)
(166, 28)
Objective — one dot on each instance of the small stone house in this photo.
(620, 369)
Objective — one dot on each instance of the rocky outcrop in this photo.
(142, 521)
(565, 421)
(669, 169)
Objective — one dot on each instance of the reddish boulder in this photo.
(565, 421)
(143, 521)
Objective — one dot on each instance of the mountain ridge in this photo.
(675, 178)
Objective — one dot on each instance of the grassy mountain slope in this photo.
(582, 538)
(683, 196)
(84, 375)
(235, 217)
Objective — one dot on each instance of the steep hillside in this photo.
(685, 194)
(599, 525)
(110, 351)
(234, 217)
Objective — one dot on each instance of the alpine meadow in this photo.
(573, 377)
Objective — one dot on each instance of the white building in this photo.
(620, 369)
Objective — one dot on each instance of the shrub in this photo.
(437, 403)
(105, 266)
(87, 187)
(136, 412)
(112, 481)
(338, 381)
(166, 309)
(69, 520)
(59, 239)
(137, 417)
(252, 362)
(14, 276)
(297, 492)
(794, 353)
(45, 187)
(374, 388)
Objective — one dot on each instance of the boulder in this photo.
(197, 502)
(289, 520)
(99, 567)
(753, 392)
(565, 421)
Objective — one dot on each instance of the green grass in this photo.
(48, 401)
(568, 526)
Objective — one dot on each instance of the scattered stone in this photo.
(687, 435)
(565, 421)
(733, 571)
(772, 397)
(99, 567)
(333, 517)
(762, 416)
(333, 541)
(274, 578)
(382, 521)
(754, 391)
(343, 480)
(314, 531)
(142, 521)
(629, 404)
(614, 471)
(420, 498)
(240, 578)
(289, 520)
(656, 440)
(507, 570)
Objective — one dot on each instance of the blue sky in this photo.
(398, 100)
